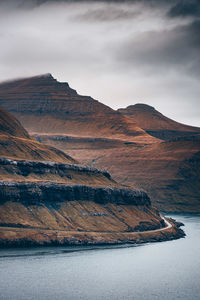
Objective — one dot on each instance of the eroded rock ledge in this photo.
(37, 193)
(25, 167)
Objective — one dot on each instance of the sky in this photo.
(118, 52)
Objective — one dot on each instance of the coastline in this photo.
(28, 237)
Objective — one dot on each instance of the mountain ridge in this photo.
(42, 104)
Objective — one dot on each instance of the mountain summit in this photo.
(44, 105)
(156, 124)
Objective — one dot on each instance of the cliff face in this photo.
(156, 124)
(47, 213)
(52, 172)
(44, 105)
(43, 193)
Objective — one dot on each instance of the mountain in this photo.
(156, 124)
(45, 202)
(97, 136)
(44, 105)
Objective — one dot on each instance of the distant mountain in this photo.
(44, 105)
(156, 124)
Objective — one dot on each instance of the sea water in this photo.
(168, 270)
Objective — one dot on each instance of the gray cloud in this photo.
(110, 14)
(120, 52)
(184, 8)
(168, 49)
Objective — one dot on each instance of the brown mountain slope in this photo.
(156, 124)
(15, 142)
(47, 202)
(10, 126)
(168, 171)
(44, 105)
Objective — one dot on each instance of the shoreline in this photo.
(41, 237)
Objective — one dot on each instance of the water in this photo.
(168, 270)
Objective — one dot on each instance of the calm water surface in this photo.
(168, 270)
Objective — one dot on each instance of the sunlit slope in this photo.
(44, 105)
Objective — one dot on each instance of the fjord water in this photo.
(167, 270)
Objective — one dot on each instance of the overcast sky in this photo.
(118, 52)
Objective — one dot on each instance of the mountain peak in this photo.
(140, 106)
(155, 123)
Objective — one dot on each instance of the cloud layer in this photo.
(119, 52)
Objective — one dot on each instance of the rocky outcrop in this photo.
(38, 193)
(47, 171)
(26, 167)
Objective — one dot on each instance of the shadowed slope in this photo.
(156, 124)
(15, 142)
(10, 126)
